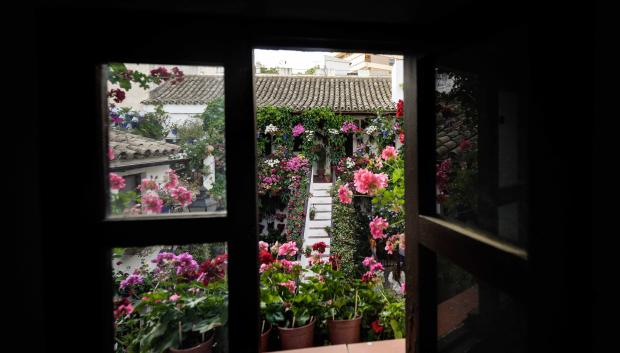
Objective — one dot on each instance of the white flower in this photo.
(272, 162)
(309, 134)
(350, 162)
(371, 130)
(334, 131)
(270, 129)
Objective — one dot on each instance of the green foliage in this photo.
(268, 70)
(190, 130)
(122, 200)
(312, 70)
(392, 317)
(154, 125)
(347, 241)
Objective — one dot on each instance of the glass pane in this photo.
(332, 253)
(474, 317)
(165, 129)
(170, 297)
(481, 111)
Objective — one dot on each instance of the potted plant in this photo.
(175, 307)
(312, 213)
(287, 302)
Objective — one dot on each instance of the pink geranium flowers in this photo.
(298, 130)
(117, 182)
(389, 152)
(344, 194)
(367, 182)
(181, 195)
(377, 225)
(288, 249)
(151, 202)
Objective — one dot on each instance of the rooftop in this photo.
(344, 94)
(135, 150)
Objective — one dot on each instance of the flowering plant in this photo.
(153, 197)
(286, 300)
(176, 304)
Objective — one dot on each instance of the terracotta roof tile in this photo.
(342, 93)
(128, 146)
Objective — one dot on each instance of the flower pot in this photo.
(205, 347)
(264, 340)
(344, 331)
(297, 337)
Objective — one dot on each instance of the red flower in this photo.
(376, 326)
(117, 94)
(399, 108)
(401, 136)
(264, 257)
(464, 145)
(320, 247)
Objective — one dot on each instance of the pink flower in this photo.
(123, 309)
(263, 246)
(290, 285)
(369, 261)
(402, 288)
(110, 153)
(389, 247)
(173, 179)
(117, 182)
(148, 184)
(181, 195)
(366, 182)
(174, 297)
(288, 265)
(389, 152)
(151, 203)
(288, 249)
(298, 130)
(348, 126)
(344, 194)
(377, 225)
(264, 267)
(376, 266)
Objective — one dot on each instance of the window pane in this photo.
(170, 297)
(331, 189)
(165, 129)
(481, 112)
(472, 316)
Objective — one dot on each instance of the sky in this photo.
(297, 60)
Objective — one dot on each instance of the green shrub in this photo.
(348, 239)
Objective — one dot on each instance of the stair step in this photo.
(319, 192)
(321, 186)
(320, 200)
(323, 215)
(322, 208)
(319, 224)
(315, 233)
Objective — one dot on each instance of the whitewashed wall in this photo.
(397, 80)
(179, 113)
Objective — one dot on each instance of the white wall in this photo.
(397, 80)
(179, 113)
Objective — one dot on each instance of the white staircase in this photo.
(315, 229)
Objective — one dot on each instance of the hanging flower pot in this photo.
(205, 347)
(297, 337)
(264, 340)
(344, 331)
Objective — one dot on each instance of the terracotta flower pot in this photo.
(205, 347)
(344, 331)
(264, 340)
(297, 337)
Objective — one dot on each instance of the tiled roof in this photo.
(342, 93)
(127, 146)
(452, 129)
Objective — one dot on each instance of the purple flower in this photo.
(132, 280)
(185, 264)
